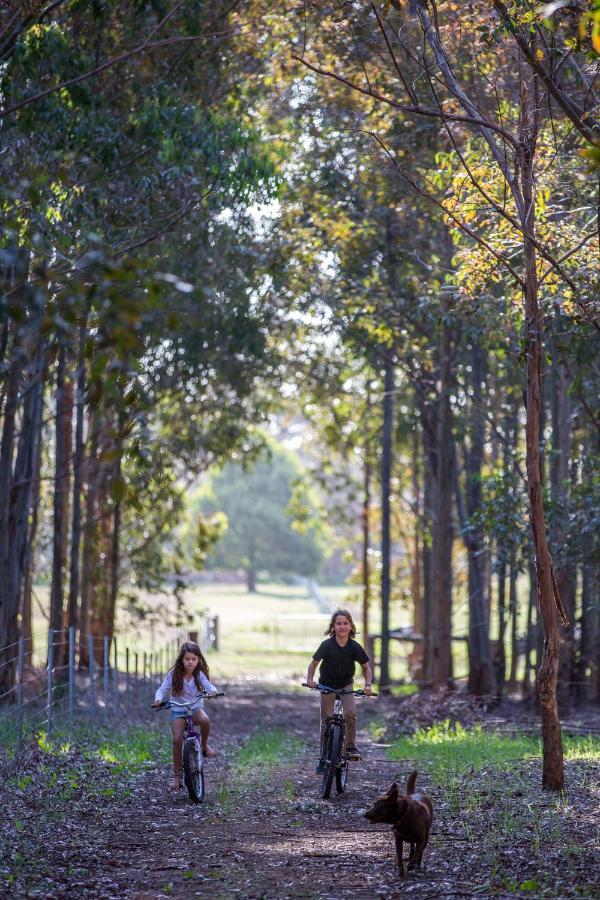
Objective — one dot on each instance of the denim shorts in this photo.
(178, 712)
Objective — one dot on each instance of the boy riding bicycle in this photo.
(338, 655)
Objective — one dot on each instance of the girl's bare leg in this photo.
(177, 727)
(200, 718)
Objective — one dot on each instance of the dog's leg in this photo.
(418, 856)
(399, 850)
(411, 856)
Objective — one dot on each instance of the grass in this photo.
(265, 750)
(485, 787)
(255, 762)
(452, 749)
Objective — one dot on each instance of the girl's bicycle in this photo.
(191, 754)
(333, 750)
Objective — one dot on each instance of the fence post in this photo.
(92, 665)
(127, 676)
(145, 667)
(20, 679)
(49, 703)
(71, 672)
(116, 675)
(215, 645)
(106, 664)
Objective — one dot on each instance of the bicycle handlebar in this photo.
(322, 689)
(166, 704)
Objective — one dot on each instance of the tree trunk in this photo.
(441, 579)
(26, 489)
(74, 567)
(8, 614)
(559, 476)
(430, 476)
(513, 607)
(62, 451)
(386, 487)
(366, 527)
(500, 654)
(589, 660)
(416, 656)
(548, 598)
(481, 668)
(251, 581)
(89, 537)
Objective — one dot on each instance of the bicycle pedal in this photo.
(355, 757)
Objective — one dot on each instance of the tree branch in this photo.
(416, 110)
(576, 114)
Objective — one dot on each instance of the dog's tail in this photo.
(410, 784)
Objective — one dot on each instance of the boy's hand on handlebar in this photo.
(311, 684)
(368, 690)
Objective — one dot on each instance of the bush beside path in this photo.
(94, 818)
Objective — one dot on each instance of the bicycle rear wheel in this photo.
(332, 758)
(193, 773)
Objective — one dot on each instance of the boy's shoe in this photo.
(320, 767)
(352, 752)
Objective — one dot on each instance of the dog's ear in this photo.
(393, 791)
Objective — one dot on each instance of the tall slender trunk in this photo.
(89, 537)
(549, 602)
(8, 614)
(416, 656)
(441, 580)
(386, 487)
(500, 654)
(62, 450)
(513, 607)
(589, 659)
(78, 467)
(559, 476)
(26, 491)
(366, 542)
(427, 526)
(481, 668)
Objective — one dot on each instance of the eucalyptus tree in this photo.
(503, 108)
(131, 158)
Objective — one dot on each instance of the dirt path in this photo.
(267, 834)
(271, 839)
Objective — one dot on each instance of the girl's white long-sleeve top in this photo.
(190, 690)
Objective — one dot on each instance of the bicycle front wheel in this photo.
(332, 759)
(193, 773)
(341, 777)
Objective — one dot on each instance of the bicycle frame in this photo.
(333, 746)
(192, 758)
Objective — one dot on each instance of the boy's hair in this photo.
(330, 630)
(178, 670)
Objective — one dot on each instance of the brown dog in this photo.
(411, 815)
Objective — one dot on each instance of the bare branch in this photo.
(584, 123)
(416, 110)
(451, 215)
(487, 128)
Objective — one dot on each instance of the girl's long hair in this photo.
(331, 627)
(178, 670)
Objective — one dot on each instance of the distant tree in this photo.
(272, 518)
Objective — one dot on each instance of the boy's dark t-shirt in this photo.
(337, 666)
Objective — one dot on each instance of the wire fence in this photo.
(85, 676)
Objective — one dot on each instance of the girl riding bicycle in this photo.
(188, 677)
(338, 656)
